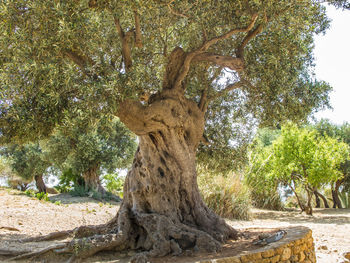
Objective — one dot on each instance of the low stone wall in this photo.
(296, 246)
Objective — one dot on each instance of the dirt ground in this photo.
(22, 216)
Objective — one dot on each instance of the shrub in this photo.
(42, 196)
(226, 195)
(114, 183)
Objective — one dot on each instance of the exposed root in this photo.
(4, 252)
(154, 234)
(38, 253)
(79, 232)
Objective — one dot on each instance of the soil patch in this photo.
(22, 216)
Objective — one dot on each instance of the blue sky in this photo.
(332, 52)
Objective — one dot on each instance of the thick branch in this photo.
(138, 39)
(224, 61)
(202, 105)
(214, 40)
(189, 56)
(126, 39)
(80, 60)
(249, 36)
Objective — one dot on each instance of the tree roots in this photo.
(153, 235)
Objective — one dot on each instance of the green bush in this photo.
(114, 183)
(226, 195)
(69, 181)
(79, 190)
(42, 196)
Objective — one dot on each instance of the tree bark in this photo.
(324, 199)
(335, 195)
(308, 209)
(162, 211)
(318, 200)
(92, 180)
(39, 182)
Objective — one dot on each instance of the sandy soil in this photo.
(22, 216)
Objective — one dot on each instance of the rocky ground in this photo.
(22, 216)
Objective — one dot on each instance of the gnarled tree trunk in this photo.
(92, 180)
(162, 210)
(39, 182)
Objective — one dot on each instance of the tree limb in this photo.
(126, 43)
(249, 36)
(189, 56)
(223, 61)
(138, 39)
(214, 40)
(202, 105)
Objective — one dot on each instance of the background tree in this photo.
(28, 162)
(341, 133)
(85, 150)
(106, 56)
(264, 192)
(298, 158)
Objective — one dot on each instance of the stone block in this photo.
(275, 259)
(287, 252)
(229, 260)
(301, 256)
(268, 253)
(252, 257)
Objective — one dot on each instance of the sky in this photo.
(332, 53)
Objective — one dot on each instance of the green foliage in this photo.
(27, 160)
(69, 180)
(114, 183)
(105, 145)
(297, 158)
(300, 156)
(79, 190)
(342, 134)
(42, 196)
(30, 193)
(226, 195)
(58, 202)
(264, 192)
(66, 61)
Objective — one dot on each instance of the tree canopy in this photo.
(61, 57)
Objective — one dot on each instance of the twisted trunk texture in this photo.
(92, 180)
(162, 206)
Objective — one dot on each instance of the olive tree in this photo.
(166, 69)
(28, 162)
(88, 150)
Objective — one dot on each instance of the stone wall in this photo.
(296, 246)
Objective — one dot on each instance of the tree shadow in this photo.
(67, 198)
(320, 216)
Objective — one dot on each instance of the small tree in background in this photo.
(84, 150)
(341, 133)
(301, 159)
(28, 162)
